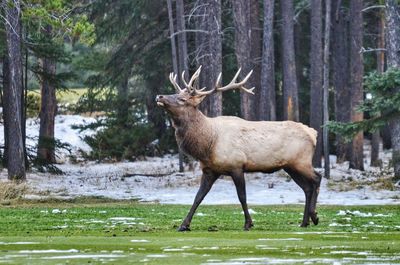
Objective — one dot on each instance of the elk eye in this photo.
(182, 99)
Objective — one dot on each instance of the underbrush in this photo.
(11, 191)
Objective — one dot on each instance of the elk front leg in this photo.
(238, 179)
(207, 180)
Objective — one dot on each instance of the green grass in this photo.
(70, 96)
(92, 233)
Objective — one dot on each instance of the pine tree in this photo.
(290, 88)
(13, 92)
(316, 77)
(267, 101)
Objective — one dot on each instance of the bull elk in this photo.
(228, 145)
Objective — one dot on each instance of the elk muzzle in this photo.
(159, 100)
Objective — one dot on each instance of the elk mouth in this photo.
(159, 101)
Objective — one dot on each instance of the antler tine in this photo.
(217, 83)
(172, 79)
(234, 85)
(189, 86)
(194, 76)
(236, 76)
(183, 79)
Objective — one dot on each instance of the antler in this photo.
(232, 85)
(172, 79)
(191, 88)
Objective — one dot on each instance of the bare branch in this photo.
(363, 50)
(372, 7)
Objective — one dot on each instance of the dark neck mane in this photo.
(195, 135)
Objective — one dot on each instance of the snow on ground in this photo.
(157, 179)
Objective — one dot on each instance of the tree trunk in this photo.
(290, 89)
(375, 161)
(155, 114)
(172, 37)
(326, 88)
(316, 76)
(393, 60)
(182, 42)
(182, 53)
(255, 54)
(209, 51)
(6, 87)
(13, 93)
(267, 101)
(48, 109)
(242, 22)
(356, 74)
(341, 74)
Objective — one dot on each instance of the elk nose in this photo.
(158, 97)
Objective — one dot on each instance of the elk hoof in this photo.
(183, 228)
(247, 226)
(304, 224)
(314, 218)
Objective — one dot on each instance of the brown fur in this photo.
(228, 145)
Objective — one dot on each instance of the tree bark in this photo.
(182, 53)
(267, 101)
(255, 54)
(171, 34)
(326, 88)
(6, 88)
(393, 60)
(341, 74)
(13, 93)
(242, 22)
(316, 77)
(155, 114)
(290, 89)
(182, 42)
(48, 109)
(356, 74)
(375, 140)
(209, 51)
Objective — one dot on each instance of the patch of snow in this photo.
(280, 239)
(41, 251)
(123, 218)
(19, 243)
(86, 256)
(140, 241)
(361, 214)
(157, 179)
(200, 214)
(336, 224)
(157, 256)
(173, 249)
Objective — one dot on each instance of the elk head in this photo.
(190, 96)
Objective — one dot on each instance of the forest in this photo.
(114, 113)
(332, 65)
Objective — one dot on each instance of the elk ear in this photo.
(197, 99)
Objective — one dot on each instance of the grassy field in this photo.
(135, 233)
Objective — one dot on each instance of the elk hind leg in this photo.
(306, 186)
(313, 205)
(314, 180)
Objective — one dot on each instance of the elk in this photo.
(228, 145)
